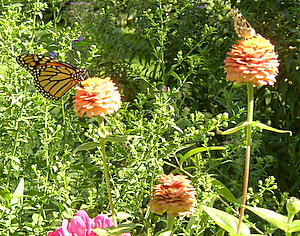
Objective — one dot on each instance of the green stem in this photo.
(288, 234)
(46, 138)
(54, 19)
(290, 221)
(106, 177)
(248, 152)
(170, 223)
(10, 159)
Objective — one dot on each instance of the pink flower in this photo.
(61, 231)
(81, 221)
(102, 221)
(77, 226)
(82, 225)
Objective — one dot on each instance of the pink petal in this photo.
(61, 231)
(102, 221)
(54, 233)
(77, 226)
(87, 220)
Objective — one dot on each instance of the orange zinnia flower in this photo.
(175, 195)
(252, 60)
(96, 97)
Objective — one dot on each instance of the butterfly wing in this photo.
(241, 25)
(52, 78)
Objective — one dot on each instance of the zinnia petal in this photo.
(102, 221)
(175, 195)
(86, 219)
(77, 226)
(82, 225)
(65, 228)
(96, 97)
(252, 60)
(61, 231)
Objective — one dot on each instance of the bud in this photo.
(293, 206)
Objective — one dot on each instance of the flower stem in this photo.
(170, 223)
(248, 151)
(106, 177)
(290, 221)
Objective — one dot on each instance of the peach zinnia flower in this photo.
(96, 97)
(252, 60)
(175, 195)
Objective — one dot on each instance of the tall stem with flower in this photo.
(251, 61)
(99, 97)
(248, 151)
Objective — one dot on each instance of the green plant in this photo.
(285, 223)
(167, 59)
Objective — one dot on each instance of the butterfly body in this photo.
(52, 78)
(241, 25)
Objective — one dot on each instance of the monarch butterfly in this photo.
(241, 25)
(52, 78)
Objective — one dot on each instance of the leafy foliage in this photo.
(167, 59)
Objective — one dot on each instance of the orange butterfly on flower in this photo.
(252, 59)
(241, 25)
(52, 78)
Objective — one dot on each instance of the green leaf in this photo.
(123, 215)
(6, 195)
(177, 128)
(100, 231)
(254, 124)
(3, 69)
(233, 130)
(174, 74)
(87, 146)
(202, 149)
(121, 138)
(248, 234)
(220, 232)
(224, 191)
(37, 219)
(191, 223)
(272, 217)
(121, 229)
(295, 226)
(164, 233)
(18, 194)
(182, 147)
(226, 221)
(263, 126)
